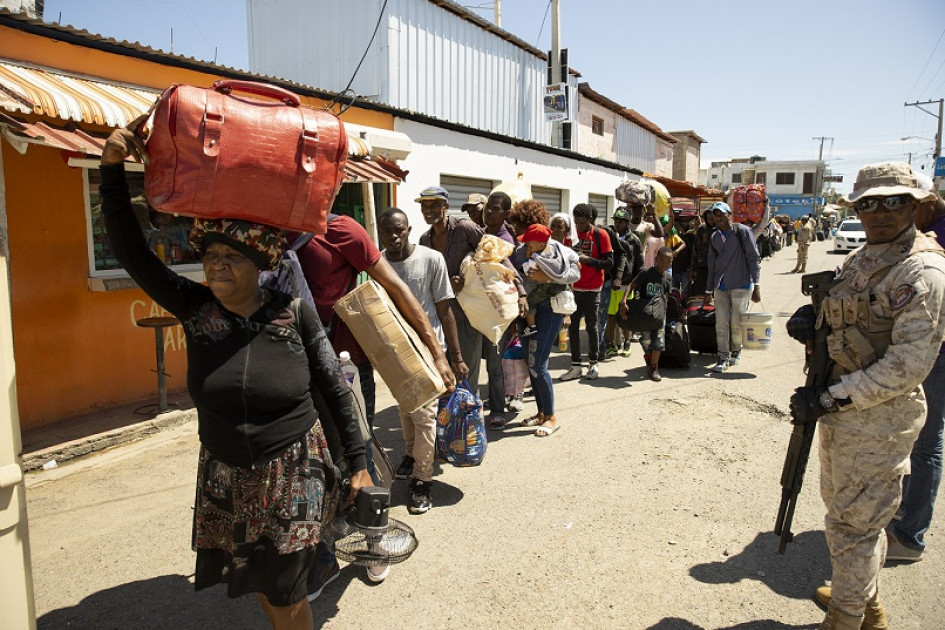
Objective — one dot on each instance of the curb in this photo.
(100, 441)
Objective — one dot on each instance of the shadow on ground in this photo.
(804, 567)
(674, 623)
(159, 603)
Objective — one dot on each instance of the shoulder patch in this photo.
(901, 296)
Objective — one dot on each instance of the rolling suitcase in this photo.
(701, 324)
(676, 352)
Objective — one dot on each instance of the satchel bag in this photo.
(563, 303)
(644, 314)
(215, 154)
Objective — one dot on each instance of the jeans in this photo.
(602, 309)
(921, 487)
(587, 307)
(729, 306)
(493, 356)
(539, 349)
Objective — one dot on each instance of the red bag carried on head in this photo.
(214, 154)
(748, 203)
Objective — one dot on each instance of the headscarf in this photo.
(572, 231)
(260, 243)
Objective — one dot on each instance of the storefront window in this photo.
(165, 234)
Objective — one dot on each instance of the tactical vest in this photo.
(858, 337)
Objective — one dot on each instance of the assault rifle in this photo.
(818, 364)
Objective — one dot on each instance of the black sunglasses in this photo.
(893, 202)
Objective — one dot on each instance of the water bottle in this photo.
(348, 369)
(563, 339)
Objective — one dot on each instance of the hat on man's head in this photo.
(433, 193)
(721, 206)
(884, 180)
(621, 214)
(476, 199)
(537, 232)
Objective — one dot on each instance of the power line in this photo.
(941, 65)
(540, 30)
(932, 54)
(335, 100)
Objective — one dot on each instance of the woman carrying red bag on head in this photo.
(255, 358)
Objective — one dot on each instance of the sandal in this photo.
(546, 429)
(534, 421)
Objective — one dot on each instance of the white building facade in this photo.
(794, 187)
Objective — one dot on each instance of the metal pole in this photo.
(498, 13)
(162, 376)
(557, 128)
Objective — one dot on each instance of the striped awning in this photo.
(84, 100)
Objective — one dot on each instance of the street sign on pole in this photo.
(939, 167)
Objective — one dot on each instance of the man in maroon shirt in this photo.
(331, 263)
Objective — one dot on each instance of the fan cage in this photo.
(359, 547)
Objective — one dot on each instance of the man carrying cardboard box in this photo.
(424, 271)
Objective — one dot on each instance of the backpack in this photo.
(748, 203)
(288, 276)
(622, 254)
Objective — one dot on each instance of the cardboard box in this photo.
(392, 345)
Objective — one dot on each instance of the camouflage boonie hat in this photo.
(885, 180)
(634, 193)
(260, 243)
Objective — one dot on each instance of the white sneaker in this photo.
(378, 574)
(734, 360)
(576, 372)
(721, 366)
(516, 404)
(592, 372)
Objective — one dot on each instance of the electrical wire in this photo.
(932, 54)
(541, 30)
(347, 89)
(941, 65)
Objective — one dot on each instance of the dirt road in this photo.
(652, 508)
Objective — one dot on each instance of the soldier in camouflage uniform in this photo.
(805, 234)
(886, 322)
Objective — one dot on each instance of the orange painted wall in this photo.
(79, 350)
(76, 350)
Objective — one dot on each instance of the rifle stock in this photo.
(817, 286)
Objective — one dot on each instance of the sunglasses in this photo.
(872, 204)
(719, 213)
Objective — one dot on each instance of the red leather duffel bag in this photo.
(214, 154)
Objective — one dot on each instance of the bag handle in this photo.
(225, 86)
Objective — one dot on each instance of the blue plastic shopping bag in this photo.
(460, 428)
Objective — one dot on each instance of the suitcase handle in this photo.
(226, 86)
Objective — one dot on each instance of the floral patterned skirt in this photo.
(256, 529)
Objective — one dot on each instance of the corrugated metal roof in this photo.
(54, 94)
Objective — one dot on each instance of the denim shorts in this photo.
(653, 339)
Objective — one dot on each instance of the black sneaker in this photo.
(405, 470)
(320, 577)
(419, 497)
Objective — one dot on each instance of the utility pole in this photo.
(498, 13)
(819, 172)
(557, 136)
(938, 135)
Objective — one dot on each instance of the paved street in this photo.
(652, 508)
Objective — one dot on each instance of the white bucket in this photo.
(757, 329)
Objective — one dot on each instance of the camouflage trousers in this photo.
(802, 255)
(861, 485)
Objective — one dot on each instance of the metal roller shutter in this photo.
(460, 188)
(551, 197)
(600, 202)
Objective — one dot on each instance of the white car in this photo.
(850, 236)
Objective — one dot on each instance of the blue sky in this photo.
(759, 78)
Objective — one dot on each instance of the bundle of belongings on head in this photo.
(489, 297)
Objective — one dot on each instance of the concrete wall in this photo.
(589, 143)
